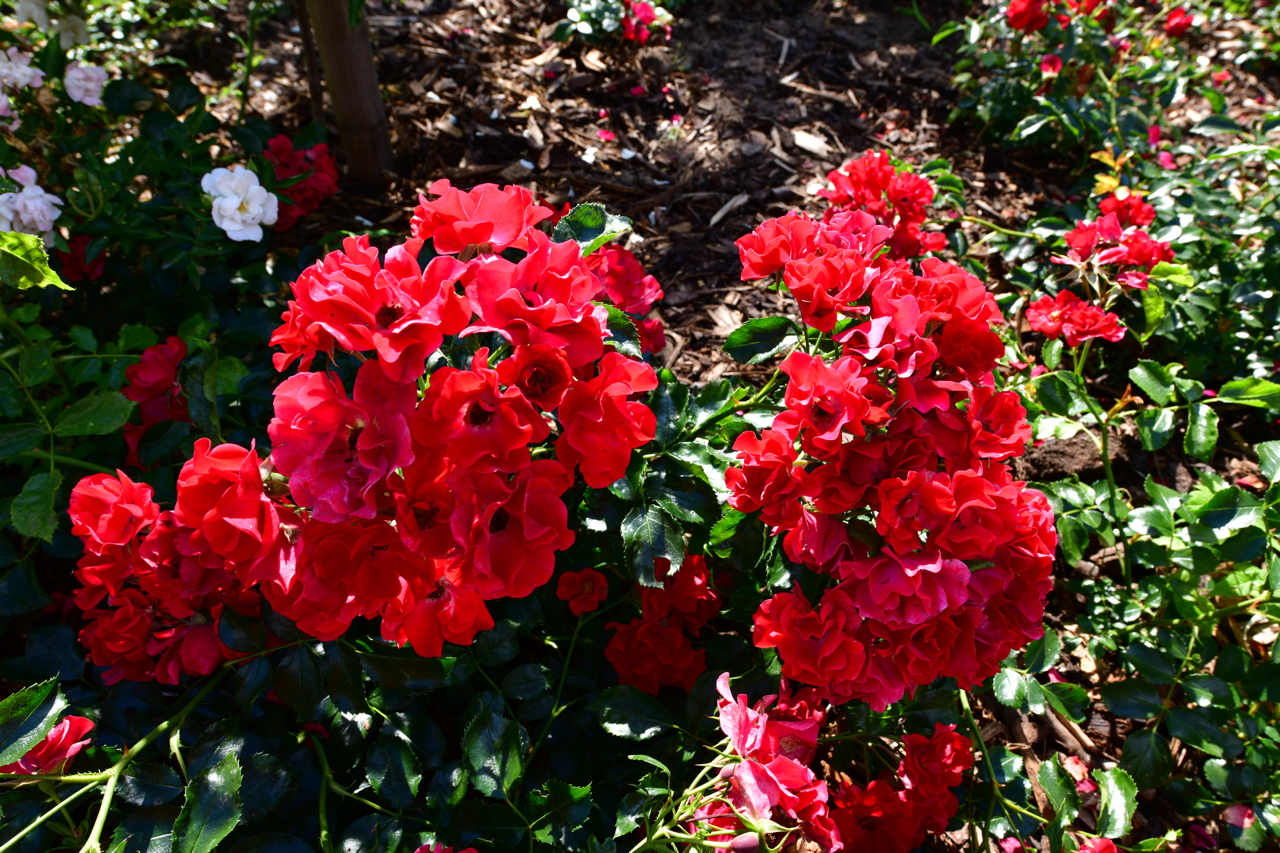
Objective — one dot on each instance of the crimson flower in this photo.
(1070, 316)
(51, 756)
(485, 220)
(1178, 22)
(1027, 15)
(601, 425)
(584, 590)
(652, 655)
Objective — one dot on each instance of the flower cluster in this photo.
(885, 472)
(420, 494)
(321, 179)
(893, 815)
(16, 73)
(1115, 239)
(52, 754)
(153, 385)
(1072, 318)
(84, 83)
(240, 204)
(640, 19)
(897, 198)
(655, 650)
(768, 785)
(31, 210)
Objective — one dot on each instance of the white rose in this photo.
(84, 83)
(16, 71)
(71, 30)
(241, 206)
(35, 11)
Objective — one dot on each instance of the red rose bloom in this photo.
(1069, 315)
(769, 479)
(337, 451)
(824, 403)
(220, 497)
(305, 196)
(623, 280)
(1178, 22)
(486, 220)
(52, 755)
(1130, 210)
(110, 511)
(601, 425)
(775, 243)
(434, 609)
(584, 590)
(653, 335)
(816, 646)
(876, 818)
(540, 372)
(465, 414)
(650, 655)
(74, 265)
(685, 599)
(826, 286)
(398, 310)
(1027, 15)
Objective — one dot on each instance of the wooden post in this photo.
(352, 80)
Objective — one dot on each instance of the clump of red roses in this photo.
(767, 785)
(321, 181)
(896, 197)
(153, 385)
(885, 472)
(415, 496)
(656, 651)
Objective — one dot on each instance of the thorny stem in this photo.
(31, 827)
(58, 459)
(326, 840)
(999, 229)
(564, 677)
(1112, 492)
(996, 793)
(92, 843)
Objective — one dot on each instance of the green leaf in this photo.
(25, 264)
(1192, 727)
(762, 338)
(629, 713)
(1051, 353)
(669, 402)
(1042, 654)
(1202, 431)
(1230, 509)
(1155, 428)
(708, 402)
(525, 682)
(649, 533)
(403, 669)
(493, 750)
(1030, 124)
(1132, 698)
(97, 414)
(18, 438)
(591, 226)
(299, 681)
(1073, 536)
(1269, 459)
(706, 463)
(1060, 788)
(31, 512)
(393, 771)
(1054, 394)
(1147, 758)
(1154, 380)
(135, 337)
(211, 809)
(148, 785)
(1216, 124)
(36, 363)
(622, 332)
(1154, 664)
(1258, 393)
(1010, 687)
(565, 805)
(1177, 273)
(1069, 700)
(1118, 801)
(26, 717)
(1152, 310)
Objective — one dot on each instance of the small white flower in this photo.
(31, 210)
(35, 11)
(72, 30)
(241, 206)
(84, 83)
(16, 71)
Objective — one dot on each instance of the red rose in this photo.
(876, 818)
(601, 426)
(650, 655)
(1178, 22)
(685, 599)
(584, 590)
(775, 243)
(816, 646)
(486, 220)
(110, 511)
(1130, 210)
(220, 497)
(74, 265)
(1027, 15)
(540, 372)
(769, 479)
(52, 755)
(824, 403)
(466, 415)
(435, 609)
(622, 279)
